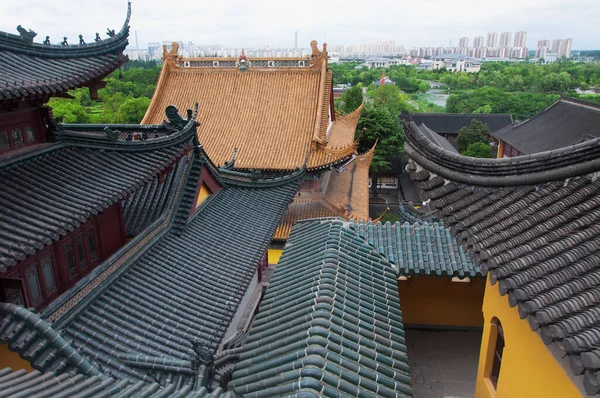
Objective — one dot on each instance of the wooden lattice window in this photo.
(498, 350)
(33, 285)
(17, 136)
(92, 247)
(4, 142)
(70, 259)
(48, 273)
(80, 252)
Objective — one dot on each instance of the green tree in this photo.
(478, 150)
(133, 110)
(381, 125)
(351, 99)
(476, 132)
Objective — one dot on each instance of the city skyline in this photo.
(239, 24)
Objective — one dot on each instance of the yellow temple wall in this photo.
(528, 368)
(431, 300)
(274, 255)
(500, 149)
(9, 359)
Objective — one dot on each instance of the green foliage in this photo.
(133, 110)
(478, 150)
(124, 99)
(493, 100)
(381, 125)
(392, 98)
(351, 99)
(476, 132)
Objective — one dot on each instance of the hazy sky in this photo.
(262, 22)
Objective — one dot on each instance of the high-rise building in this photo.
(564, 48)
(520, 39)
(505, 39)
(463, 42)
(478, 42)
(492, 39)
(543, 47)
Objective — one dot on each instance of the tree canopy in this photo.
(351, 99)
(476, 132)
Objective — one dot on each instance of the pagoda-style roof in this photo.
(138, 315)
(346, 196)
(421, 248)
(451, 123)
(274, 111)
(53, 189)
(330, 323)
(31, 70)
(531, 224)
(566, 122)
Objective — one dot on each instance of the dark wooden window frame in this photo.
(25, 141)
(36, 261)
(498, 344)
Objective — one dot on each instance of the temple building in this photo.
(275, 115)
(566, 122)
(530, 223)
(132, 264)
(448, 125)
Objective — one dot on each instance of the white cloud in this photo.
(259, 22)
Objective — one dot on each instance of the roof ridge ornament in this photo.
(26, 35)
(171, 57)
(243, 62)
(318, 56)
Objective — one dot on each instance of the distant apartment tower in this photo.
(154, 50)
(543, 47)
(505, 39)
(478, 42)
(492, 39)
(562, 47)
(463, 42)
(520, 39)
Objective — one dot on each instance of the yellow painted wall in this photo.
(274, 256)
(204, 193)
(9, 359)
(528, 368)
(430, 300)
(500, 149)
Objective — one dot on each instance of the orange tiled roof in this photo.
(273, 111)
(346, 196)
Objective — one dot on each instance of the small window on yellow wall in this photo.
(496, 343)
(202, 194)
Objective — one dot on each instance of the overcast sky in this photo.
(252, 23)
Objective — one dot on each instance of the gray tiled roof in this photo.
(425, 248)
(78, 182)
(451, 123)
(22, 384)
(330, 323)
(532, 223)
(185, 288)
(566, 122)
(30, 70)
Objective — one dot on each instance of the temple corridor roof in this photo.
(566, 122)
(346, 196)
(330, 323)
(275, 112)
(423, 248)
(34, 70)
(59, 186)
(451, 123)
(532, 224)
(185, 288)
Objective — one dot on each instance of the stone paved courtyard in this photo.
(443, 364)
